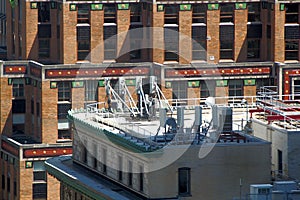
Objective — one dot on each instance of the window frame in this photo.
(187, 182)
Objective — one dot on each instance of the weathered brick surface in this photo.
(158, 35)
(5, 107)
(240, 35)
(53, 188)
(221, 92)
(250, 91)
(213, 44)
(69, 38)
(31, 17)
(193, 93)
(123, 21)
(279, 44)
(49, 113)
(78, 97)
(101, 94)
(26, 177)
(9, 34)
(97, 47)
(185, 30)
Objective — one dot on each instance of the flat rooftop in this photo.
(151, 134)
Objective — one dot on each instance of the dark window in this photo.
(279, 161)
(104, 157)
(136, 39)
(8, 184)
(199, 13)
(3, 182)
(19, 106)
(44, 31)
(199, 42)
(39, 176)
(18, 88)
(291, 32)
(184, 181)
(84, 154)
(291, 13)
(235, 88)
(44, 11)
(141, 178)
(171, 43)
(179, 89)
(64, 91)
(207, 88)
(83, 13)
(171, 14)
(91, 90)
(226, 12)
(44, 48)
(110, 42)
(268, 31)
(38, 109)
(32, 106)
(83, 42)
(135, 13)
(64, 134)
(296, 89)
(253, 12)
(130, 173)
(109, 13)
(39, 190)
(15, 187)
(291, 49)
(62, 110)
(253, 48)
(226, 41)
(120, 170)
(254, 31)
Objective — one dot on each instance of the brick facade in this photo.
(213, 44)
(157, 35)
(97, 46)
(240, 35)
(185, 44)
(123, 47)
(6, 105)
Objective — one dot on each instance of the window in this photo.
(109, 13)
(226, 41)
(199, 42)
(64, 134)
(95, 160)
(8, 183)
(104, 157)
(179, 89)
(44, 48)
(253, 48)
(207, 88)
(18, 88)
(110, 42)
(135, 13)
(43, 11)
(38, 109)
(120, 170)
(141, 178)
(84, 153)
(83, 13)
(291, 13)
(62, 110)
(279, 161)
(235, 88)
(171, 14)
(130, 173)
(184, 181)
(64, 91)
(171, 38)
(292, 36)
(254, 12)
(199, 13)
(226, 12)
(39, 172)
(91, 90)
(18, 106)
(32, 106)
(83, 42)
(3, 182)
(39, 190)
(44, 31)
(136, 39)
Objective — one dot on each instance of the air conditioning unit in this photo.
(260, 191)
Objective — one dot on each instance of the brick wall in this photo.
(97, 46)
(31, 31)
(158, 35)
(53, 188)
(240, 35)
(185, 30)
(279, 44)
(213, 20)
(193, 93)
(9, 35)
(221, 92)
(249, 91)
(78, 97)
(6, 105)
(69, 38)
(123, 21)
(49, 113)
(25, 184)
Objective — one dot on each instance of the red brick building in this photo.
(221, 48)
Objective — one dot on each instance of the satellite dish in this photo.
(210, 101)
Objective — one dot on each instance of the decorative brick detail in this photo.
(69, 38)
(213, 30)
(5, 107)
(97, 46)
(279, 43)
(49, 113)
(185, 30)
(240, 35)
(158, 35)
(123, 21)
